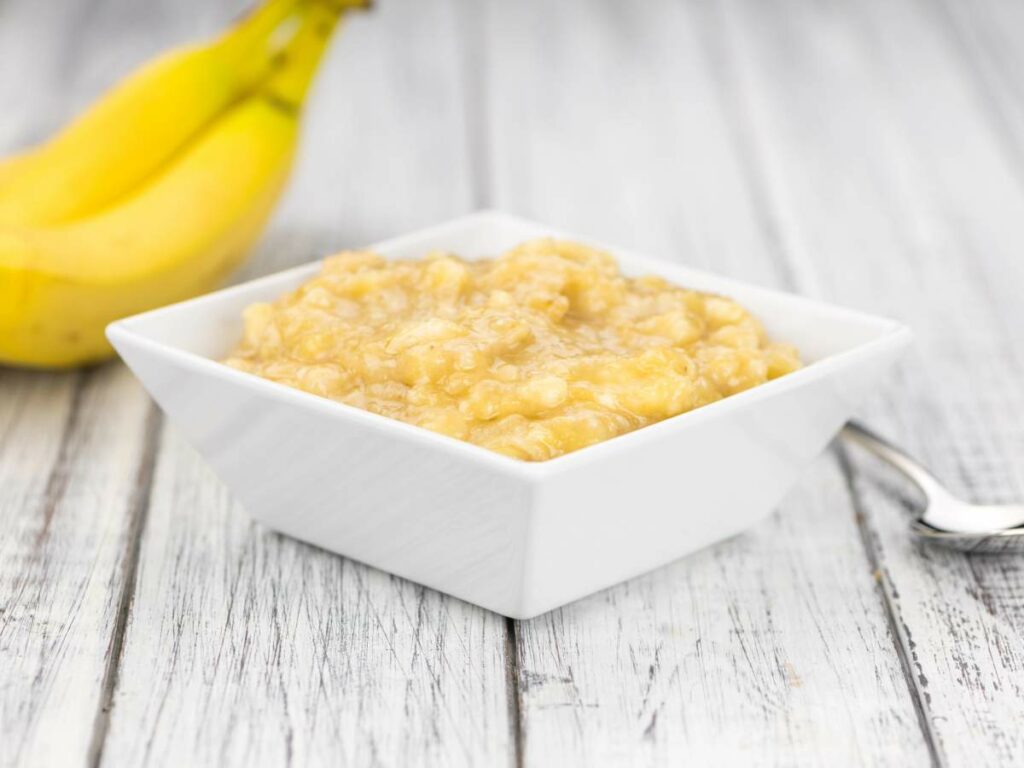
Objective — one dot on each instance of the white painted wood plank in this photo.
(773, 648)
(72, 458)
(897, 177)
(246, 648)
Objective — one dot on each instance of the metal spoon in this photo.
(946, 519)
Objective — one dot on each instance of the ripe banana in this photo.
(174, 237)
(132, 131)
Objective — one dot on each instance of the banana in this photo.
(177, 236)
(130, 133)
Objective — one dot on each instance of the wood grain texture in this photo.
(245, 648)
(868, 153)
(73, 458)
(733, 656)
(912, 208)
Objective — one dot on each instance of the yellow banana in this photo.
(174, 238)
(131, 132)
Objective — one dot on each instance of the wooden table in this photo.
(869, 153)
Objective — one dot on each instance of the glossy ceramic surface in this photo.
(518, 538)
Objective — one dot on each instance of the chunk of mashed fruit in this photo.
(542, 351)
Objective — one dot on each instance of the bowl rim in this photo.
(893, 335)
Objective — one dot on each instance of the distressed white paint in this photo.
(868, 153)
(68, 492)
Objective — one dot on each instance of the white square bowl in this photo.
(519, 538)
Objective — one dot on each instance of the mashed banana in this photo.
(540, 352)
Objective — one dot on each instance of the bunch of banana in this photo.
(157, 191)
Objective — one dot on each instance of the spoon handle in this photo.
(864, 437)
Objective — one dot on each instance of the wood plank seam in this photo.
(138, 512)
(912, 672)
(514, 692)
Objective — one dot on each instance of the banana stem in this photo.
(259, 35)
(265, 29)
(255, 25)
(289, 83)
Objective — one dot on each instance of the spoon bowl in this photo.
(947, 520)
